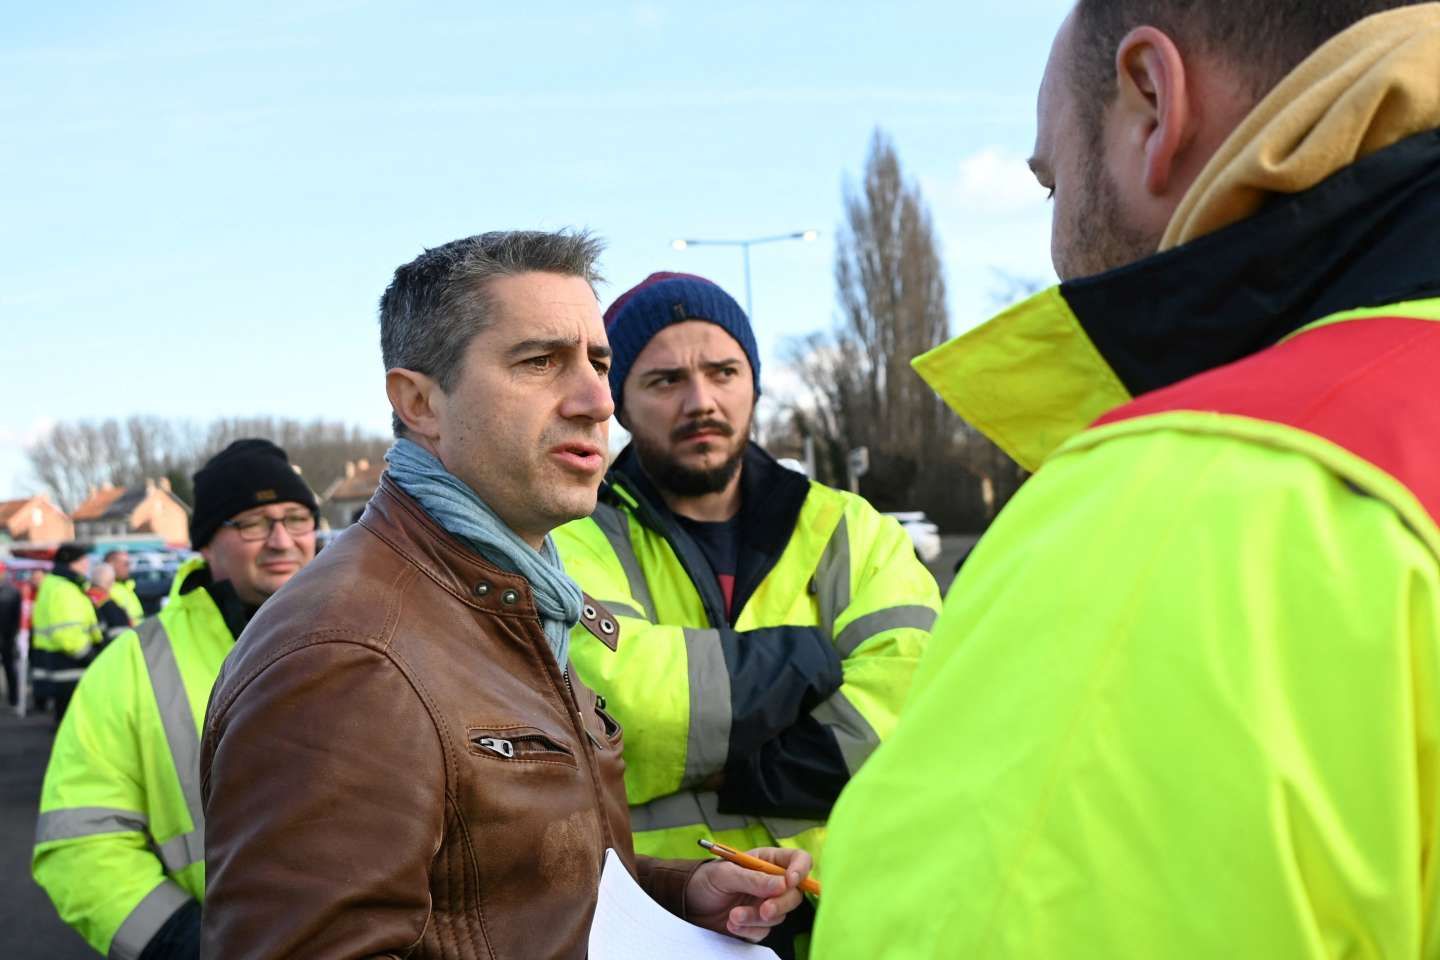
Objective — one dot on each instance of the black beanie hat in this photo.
(246, 474)
(68, 553)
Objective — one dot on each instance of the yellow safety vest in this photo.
(123, 593)
(846, 568)
(119, 846)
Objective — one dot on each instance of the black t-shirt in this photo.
(720, 542)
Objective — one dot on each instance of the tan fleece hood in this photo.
(1368, 88)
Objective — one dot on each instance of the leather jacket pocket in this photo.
(609, 724)
(519, 744)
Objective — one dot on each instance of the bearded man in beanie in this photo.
(398, 760)
(772, 624)
(120, 842)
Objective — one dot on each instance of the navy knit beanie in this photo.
(660, 300)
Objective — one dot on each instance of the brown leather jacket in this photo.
(394, 766)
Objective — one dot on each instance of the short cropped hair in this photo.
(439, 301)
(1266, 39)
(102, 575)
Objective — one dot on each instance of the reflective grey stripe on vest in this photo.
(613, 523)
(46, 631)
(707, 742)
(856, 738)
(66, 675)
(72, 822)
(622, 609)
(149, 915)
(685, 809)
(177, 853)
(179, 723)
(832, 576)
(860, 629)
(782, 828)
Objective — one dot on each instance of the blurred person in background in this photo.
(10, 607)
(65, 630)
(123, 590)
(119, 845)
(113, 618)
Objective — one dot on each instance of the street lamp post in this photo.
(745, 245)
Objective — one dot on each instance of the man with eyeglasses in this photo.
(120, 842)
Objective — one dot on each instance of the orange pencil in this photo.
(810, 885)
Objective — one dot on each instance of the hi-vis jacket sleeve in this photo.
(92, 853)
(1183, 701)
(783, 714)
(688, 696)
(877, 605)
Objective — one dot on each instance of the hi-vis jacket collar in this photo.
(1045, 369)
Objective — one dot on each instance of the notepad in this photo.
(629, 925)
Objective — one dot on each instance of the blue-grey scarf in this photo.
(452, 504)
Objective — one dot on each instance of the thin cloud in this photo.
(990, 182)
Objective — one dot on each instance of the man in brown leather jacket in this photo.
(396, 760)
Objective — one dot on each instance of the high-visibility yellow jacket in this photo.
(782, 701)
(1184, 699)
(123, 593)
(119, 846)
(63, 620)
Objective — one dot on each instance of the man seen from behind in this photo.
(1184, 699)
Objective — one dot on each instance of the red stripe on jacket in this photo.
(1371, 386)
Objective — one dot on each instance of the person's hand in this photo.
(728, 898)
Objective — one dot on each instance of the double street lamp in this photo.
(806, 235)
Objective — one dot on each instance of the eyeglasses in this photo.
(259, 528)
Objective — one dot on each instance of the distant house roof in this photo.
(101, 503)
(360, 480)
(118, 503)
(33, 516)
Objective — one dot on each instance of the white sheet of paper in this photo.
(630, 926)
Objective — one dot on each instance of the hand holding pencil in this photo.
(810, 885)
(730, 895)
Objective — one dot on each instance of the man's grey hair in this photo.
(102, 575)
(440, 300)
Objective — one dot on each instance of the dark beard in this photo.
(1108, 241)
(673, 477)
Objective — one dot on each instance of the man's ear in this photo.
(414, 397)
(1153, 112)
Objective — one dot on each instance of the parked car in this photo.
(154, 572)
(924, 535)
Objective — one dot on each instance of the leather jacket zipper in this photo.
(579, 721)
(520, 743)
(574, 700)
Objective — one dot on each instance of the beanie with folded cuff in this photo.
(660, 300)
(246, 474)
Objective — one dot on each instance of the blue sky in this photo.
(202, 206)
